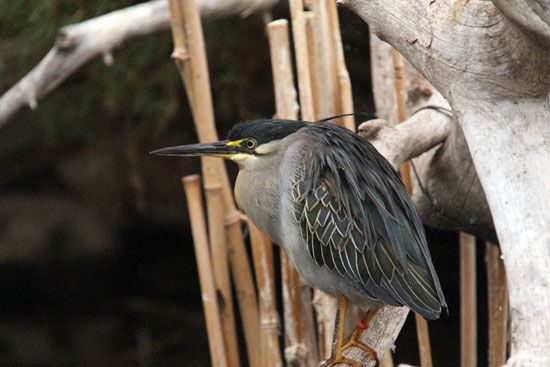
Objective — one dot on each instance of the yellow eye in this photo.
(250, 143)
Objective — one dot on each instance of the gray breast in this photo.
(257, 193)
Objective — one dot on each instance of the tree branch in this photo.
(76, 45)
(416, 135)
(495, 76)
(532, 15)
(79, 43)
(470, 41)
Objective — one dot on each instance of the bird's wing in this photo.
(357, 219)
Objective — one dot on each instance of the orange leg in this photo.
(339, 329)
(362, 325)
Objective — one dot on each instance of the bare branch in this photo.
(416, 135)
(76, 45)
(495, 76)
(533, 15)
(79, 43)
(460, 40)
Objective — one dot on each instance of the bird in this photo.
(340, 211)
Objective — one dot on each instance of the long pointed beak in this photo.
(219, 149)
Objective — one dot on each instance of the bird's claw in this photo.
(352, 342)
(339, 359)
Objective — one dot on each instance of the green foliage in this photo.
(141, 90)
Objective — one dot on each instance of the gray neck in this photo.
(257, 189)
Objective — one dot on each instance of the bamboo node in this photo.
(235, 217)
(212, 187)
(296, 355)
(180, 54)
(191, 179)
(270, 324)
(278, 23)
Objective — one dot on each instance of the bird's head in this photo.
(246, 141)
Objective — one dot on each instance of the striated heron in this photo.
(340, 211)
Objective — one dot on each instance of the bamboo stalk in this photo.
(312, 58)
(281, 64)
(498, 306)
(181, 54)
(194, 70)
(300, 344)
(325, 307)
(322, 91)
(424, 346)
(246, 296)
(302, 59)
(262, 251)
(287, 108)
(345, 104)
(325, 60)
(468, 314)
(308, 321)
(422, 331)
(192, 188)
(218, 245)
(296, 351)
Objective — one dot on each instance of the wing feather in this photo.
(356, 218)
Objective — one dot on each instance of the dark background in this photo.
(96, 259)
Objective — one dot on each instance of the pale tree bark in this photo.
(77, 44)
(494, 69)
(464, 208)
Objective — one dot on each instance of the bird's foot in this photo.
(353, 342)
(338, 358)
(339, 346)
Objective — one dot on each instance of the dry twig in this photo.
(344, 83)
(298, 313)
(302, 59)
(497, 304)
(220, 258)
(194, 70)
(325, 73)
(468, 304)
(192, 188)
(262, 251)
